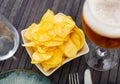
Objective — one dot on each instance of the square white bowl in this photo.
(83, 51)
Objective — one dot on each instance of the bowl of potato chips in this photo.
(53, 42)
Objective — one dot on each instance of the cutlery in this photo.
(87, 77)
(74, 78)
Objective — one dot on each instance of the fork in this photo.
(74, 78)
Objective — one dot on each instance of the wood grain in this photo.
(22, 13)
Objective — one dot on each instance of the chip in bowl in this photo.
(53, 42)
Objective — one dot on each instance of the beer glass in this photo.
(101, 24)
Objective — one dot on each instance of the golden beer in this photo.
(101, 24)
(98, 31)
(105, 42)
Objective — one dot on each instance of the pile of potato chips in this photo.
(54, 39)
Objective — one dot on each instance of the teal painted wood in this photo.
(23, 77)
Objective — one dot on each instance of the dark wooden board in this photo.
(22, 13)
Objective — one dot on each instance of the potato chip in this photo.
(54, 61)
(38, 57)
(27, 34)
(69, 49)
(55, 38)
(40, 49)
(48, 17)
(81, 37)
(63, 39)
(52, 33)
(63, 25)
(44, 49)
(47, 49)
(52, 43)
(63, 30)
(61, 18)
(30, 44)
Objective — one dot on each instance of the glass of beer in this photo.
(101, 24)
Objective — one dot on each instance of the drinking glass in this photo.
(9, 39)
(104, 34)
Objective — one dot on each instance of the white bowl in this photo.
(84, 50)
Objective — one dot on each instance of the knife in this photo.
(87, 77)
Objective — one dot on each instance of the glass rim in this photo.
(16, 38)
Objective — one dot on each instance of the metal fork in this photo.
(74, 78)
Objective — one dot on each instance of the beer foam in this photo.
(103, 16)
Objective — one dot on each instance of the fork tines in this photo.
(73, 78)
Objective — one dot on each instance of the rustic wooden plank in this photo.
(1, 2)
(37, 18)
(74, 4)
(118, 77)
(39, 14)
(79, 14)
(28, 63)
(41, 11)
(14, 10)
(29, 22)
(61, 7)
(33, 12)
(23, 59)
(118, 71)
(25, 16)
(65, 70)
(104, 77)
(82, 66)
(75, 63)
(64, 74)
(34, 68)
(55, 5)
(21, 26)
(75, 8)
(74, 67)
(22, 17)
(56, 76)
(1, 65)
(3, 5)
(6, 12)
(6, 65)
(17, 18)
(49, 4)
(113, 75)
(16, 7)
(69, 6)
(8, 8)
(2, 8)
(16, 60)
(69, 9)
(43, 6)
(96, 77)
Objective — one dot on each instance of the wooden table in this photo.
(22, 13)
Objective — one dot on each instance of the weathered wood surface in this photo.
(21, 13)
